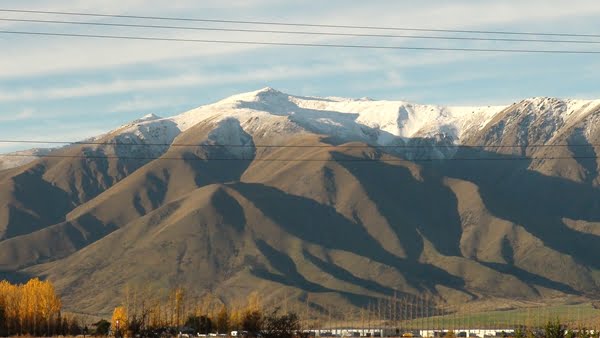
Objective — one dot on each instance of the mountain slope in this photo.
(338, 200)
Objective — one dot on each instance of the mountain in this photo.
(19, 158)
(333, 200)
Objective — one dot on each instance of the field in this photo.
(574, 316)
(579, 315)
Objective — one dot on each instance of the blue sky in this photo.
(58, 88)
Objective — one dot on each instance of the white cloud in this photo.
(31, 56)
(95, 89)
(36, 56)
(464, 13)
(178, 81)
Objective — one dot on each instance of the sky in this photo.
(66, 88)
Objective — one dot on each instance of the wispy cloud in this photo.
(178, 81)
(141, 103)
(44, 69)
(54, 132)
(464, 13)
(24, 114)
(36, 56)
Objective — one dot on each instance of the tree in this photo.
(58, 325)
(236, 316)
(3, 331)
(251, 316)
(253, 302)
(102, 327)
(26, 307)
(280, 326)
(119, 321)
(200, 324)
(178, 294)
(74, 327)
(222, 320)
(519, 332)
(554, 329)
(136, 322)
(50, 304)
(64, 326)
(252, 322)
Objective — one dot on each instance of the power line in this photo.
(305, 159)
(274, 23)
(299, 44)
(300, 32)
(294, 145)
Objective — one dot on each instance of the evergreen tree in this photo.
(102, 327)
(74, 327)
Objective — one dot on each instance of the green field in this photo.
(574, 316)
(579, 315)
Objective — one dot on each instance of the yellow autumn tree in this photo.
(28, 308)
(254, 303)
(119, 320)
(5, 290)
(178, 295)
(11, 299)
(29, 304)
(155, 318)
(49, 303)
(235, 317)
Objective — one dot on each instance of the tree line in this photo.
(175, 313)
(32, 308)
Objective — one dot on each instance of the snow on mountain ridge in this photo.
(539, 120)
(22, 157)
(271, 114)
(399, 118)
(147, 117)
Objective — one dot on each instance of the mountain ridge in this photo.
(390, 118)
(336, 199)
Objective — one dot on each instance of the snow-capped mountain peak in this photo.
(147, 117)
(267, 113)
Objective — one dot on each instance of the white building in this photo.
(396, 332)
